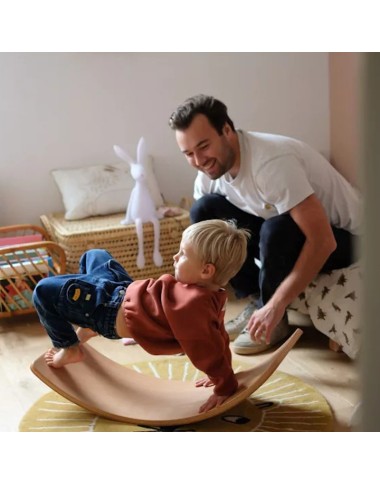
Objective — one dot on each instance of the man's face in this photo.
(205, 149)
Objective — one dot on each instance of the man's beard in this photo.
(221, 168)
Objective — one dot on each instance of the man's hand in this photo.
(212, 402)
(312, 220)
(264, 321)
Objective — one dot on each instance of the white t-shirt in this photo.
(277, 173)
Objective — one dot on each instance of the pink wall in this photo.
(345, 71)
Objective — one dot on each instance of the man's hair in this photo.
(213, 109)
(220, 243)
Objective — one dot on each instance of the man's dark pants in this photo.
(275, 242)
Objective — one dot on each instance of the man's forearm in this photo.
(308, 265)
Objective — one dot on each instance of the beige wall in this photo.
(344, 113)
(67, 109)
(370, 356)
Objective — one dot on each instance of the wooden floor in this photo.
(23, 339)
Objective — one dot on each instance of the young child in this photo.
(170, 315)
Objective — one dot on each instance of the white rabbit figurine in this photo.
(141, 207)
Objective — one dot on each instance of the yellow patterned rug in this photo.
(282, 403)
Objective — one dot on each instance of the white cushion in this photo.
(100, 189)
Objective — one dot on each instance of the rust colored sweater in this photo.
(168, 317)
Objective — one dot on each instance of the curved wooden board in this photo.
(109, 389)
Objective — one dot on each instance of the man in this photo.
(302, 214)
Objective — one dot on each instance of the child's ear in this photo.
(208, 271)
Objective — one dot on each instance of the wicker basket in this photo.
(106, 232)
(26, 256)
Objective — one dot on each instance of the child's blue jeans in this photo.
(90, 299)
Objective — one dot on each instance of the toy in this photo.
(141, 207)
(109, 389)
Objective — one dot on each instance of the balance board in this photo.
(116, 392)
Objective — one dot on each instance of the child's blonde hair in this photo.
(220, 243)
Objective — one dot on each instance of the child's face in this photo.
(187, 266)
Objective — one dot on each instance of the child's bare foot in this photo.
(60, 357)
(85, 334)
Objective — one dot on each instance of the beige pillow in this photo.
(100, 189)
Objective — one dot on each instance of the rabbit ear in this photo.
(141, 151)
(122, 154)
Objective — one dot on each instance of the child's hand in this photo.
(204, 382)
(212, 402)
